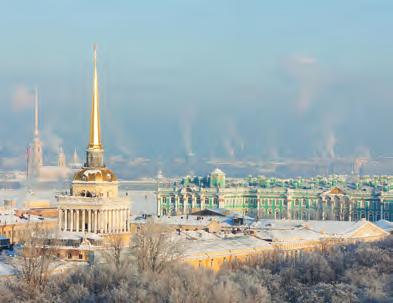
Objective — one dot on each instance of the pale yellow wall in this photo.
(37, 204)
(216, 260)
(13, 231)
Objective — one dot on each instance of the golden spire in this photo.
(95, 130)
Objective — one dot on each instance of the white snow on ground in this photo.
(5, 269)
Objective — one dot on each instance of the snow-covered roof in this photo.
(182, 220)
(385, 225)
(9, 217)
(298, 229)
(218, 246)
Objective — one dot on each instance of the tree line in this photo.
(150, 271)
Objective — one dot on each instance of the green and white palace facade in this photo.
(339, 198)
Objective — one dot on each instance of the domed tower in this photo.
(217, 178)
(94, 204)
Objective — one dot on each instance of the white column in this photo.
(83, 220)
(66, 219)
(128, 214)
(77, 220)
(71, 219)
(112, 221)
(60, 217)
(108, 216)
(99, 218)
(115, 218)
(107, 225)
(118, 220)
(122, 220)
(95, 220)
(89, 220)
(105, 219)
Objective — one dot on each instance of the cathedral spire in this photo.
(95, 130)
(36, 132)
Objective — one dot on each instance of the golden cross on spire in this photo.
(95, 130)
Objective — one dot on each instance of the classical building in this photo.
(333, 198)
(94, 205)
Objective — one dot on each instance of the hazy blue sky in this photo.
(230, 79)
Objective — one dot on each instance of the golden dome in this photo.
(89, 174)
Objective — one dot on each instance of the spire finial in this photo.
(36, 132)
(95, 130)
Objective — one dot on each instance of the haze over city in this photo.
(196, 151)
(224, 80)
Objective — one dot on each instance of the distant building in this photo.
(213, 239)
(36, 170)
(75, 162)
(61, 159)
(333, 198)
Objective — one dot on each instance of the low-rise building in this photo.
(265, 238)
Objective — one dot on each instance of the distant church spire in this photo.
(75, 158)
(95, 152)
(35, 150)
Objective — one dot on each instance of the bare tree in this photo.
(116, 250)
(154, 248)
(35, 256)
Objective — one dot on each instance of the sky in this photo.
(217, 79)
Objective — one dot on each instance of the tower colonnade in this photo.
(102, 221)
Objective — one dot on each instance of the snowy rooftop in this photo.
(185, 220)
(65, 235)
(208, 243)
(385, 225)
(9, 217)
(283, 229)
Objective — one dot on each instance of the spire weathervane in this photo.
(95, 130)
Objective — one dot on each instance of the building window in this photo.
(80, 256)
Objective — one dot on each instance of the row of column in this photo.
(185, 205)
(94, 220)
